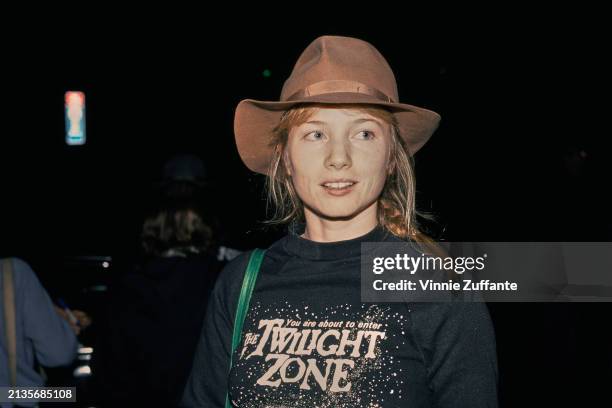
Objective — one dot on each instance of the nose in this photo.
(338, 155)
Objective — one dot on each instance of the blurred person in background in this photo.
(34, 332)
(156, 310)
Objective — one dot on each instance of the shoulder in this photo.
(232, 274)
(230, 279)
(454, 320)
(19, 265)
(23, 275)
(235, 268)
(278, 248)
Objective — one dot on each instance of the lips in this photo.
(339, 187)
(338, 184)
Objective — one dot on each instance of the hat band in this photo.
(339, 85)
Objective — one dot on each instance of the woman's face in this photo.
(338, 161)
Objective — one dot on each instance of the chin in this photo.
(330, 212)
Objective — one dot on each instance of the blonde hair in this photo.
(396, 204)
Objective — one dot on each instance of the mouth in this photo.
(339, 187)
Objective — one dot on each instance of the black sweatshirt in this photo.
(309, 341)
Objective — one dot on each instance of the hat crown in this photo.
(343, 60)
(184, 167)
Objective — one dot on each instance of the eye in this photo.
(314, 136)
(365, 135)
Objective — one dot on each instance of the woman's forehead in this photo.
(333, 115)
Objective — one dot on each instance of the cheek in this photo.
(375, 166)
(303, 168)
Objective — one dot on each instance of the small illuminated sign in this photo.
(75, 117)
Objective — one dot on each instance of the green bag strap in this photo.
(248, 283)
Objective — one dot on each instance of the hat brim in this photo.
(195, 183)
(255, 120)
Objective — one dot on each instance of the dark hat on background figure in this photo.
(185, 168)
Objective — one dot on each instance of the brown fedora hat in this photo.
(331, 70)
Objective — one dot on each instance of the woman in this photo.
(336, 150)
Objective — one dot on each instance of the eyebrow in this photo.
(357, 121)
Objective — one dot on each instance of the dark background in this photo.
(520, 154)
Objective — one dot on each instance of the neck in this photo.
(322, 229)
